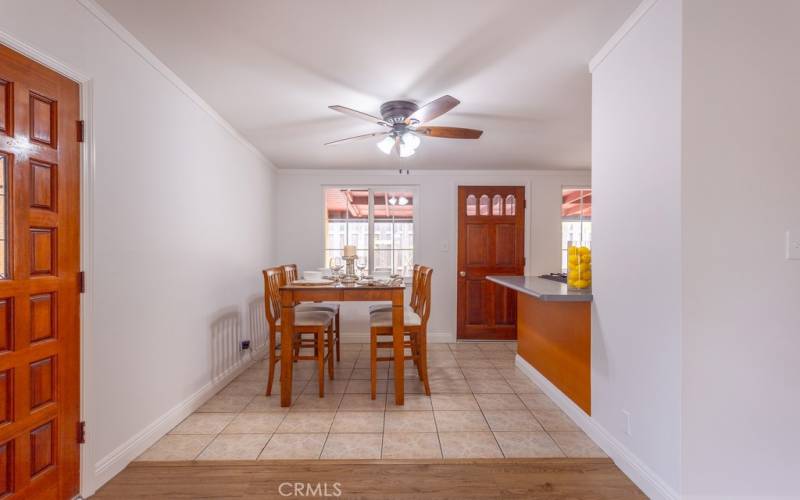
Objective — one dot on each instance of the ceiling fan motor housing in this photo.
(394, 112)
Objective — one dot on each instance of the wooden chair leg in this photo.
(338, 351)
(373, 363)
(330, 351)
(423, 360)
(272, 359)
(320, 338)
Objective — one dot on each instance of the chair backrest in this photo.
(290, 271)
(424, 287)
(414, 287)
(274, 279)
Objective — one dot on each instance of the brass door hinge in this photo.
(82, 282)
(81, 432)
(80, 130)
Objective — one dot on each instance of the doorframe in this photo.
(86, 189)
(523, 180)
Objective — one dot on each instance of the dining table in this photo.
(293, 294)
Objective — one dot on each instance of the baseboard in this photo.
(113, 463)
(645, 478)
(363, 338)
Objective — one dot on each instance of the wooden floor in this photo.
(560, 478)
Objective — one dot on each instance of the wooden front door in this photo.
(491, 240)
(39, 281)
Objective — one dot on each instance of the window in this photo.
(378, 221)
(576, 220)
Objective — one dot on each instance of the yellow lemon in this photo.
(581, 284)
(571, 283)
(572, 251)
(572, 275)
(583, 250)
(573, 259)
(586, 275)
(586, 258)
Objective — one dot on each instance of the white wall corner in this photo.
(621, 33)
(645, 478)
(113, 463)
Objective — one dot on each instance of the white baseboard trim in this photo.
(645, 478)
(113, 463)
(363, 338)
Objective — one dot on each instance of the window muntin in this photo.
(576, 220)
(511, 205)
(484, 205)
(379, 221)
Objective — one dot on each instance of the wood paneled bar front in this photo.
(554, 333)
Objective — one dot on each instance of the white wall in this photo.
(180, 229)
(636, 229)
(741, 176)
(301, 229)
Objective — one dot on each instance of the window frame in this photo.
(579, 218)
(372, 189)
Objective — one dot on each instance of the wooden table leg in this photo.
(287, 333)
(399, 351)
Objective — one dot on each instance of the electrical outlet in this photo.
(627, 422)
(792, 245)
(245, 345)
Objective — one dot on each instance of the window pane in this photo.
(393, 230)
(472, 204)
(497, 205)
(576, 220)
(347, 221)
(511, 205)
(484, 204)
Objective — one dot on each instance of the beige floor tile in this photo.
(468, 355)
(469, 445)
(254, 373)
(341, 373)
(504, 355)
(499, 402)
(523, 386)
(352, 446)
(411, 402)
(357, 421)
(331, 387)
(176, 447)
(438, 347)
(512, 420)
(460, 421)
(203, 423)
(410, 386)
(235, 447)
(577, 445)
(538, 401)
(445, 386)
(502, 363)
(245, 388)
(364, 374)
(293, 446)
(527, 445)
(415, 445)
(312, 402)
(443, 363)
(262, 404)
(555, 420)
(481, 373)
(409, 421)
(254, 423)
(363, 402)
(363, 386)
(222, 403)
(445, 374)
(310, 422)
(490, 386)
(464, 346)
(443, 402)
(475, 363)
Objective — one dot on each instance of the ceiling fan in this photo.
(405, 123)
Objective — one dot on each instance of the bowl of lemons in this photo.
(579, 267)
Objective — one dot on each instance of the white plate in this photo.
(304, 282)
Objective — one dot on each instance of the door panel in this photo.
(490, 241)
(39, 295)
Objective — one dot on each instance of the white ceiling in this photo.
(271, 68)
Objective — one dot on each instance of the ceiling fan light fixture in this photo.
(406, 151)
(386, 145)
(411, 140)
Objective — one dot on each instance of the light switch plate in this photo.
(793, 245)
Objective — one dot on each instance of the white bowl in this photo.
(312, 275)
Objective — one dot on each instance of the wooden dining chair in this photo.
(318, 323)
(415, 328)
(413, 300)
(292, 274)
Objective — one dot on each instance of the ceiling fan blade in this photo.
(359, 114)
(449, 132)
(433, 109)
(356, 138)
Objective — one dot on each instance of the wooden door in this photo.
(39, 286)
(491, 240)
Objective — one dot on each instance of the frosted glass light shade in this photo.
(386, 145)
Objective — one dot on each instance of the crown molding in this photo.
(131, 41)
(621, 33)
(432, 172)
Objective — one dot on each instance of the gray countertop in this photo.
(542, 289)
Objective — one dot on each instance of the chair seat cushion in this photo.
(384, 318)
(332, 307)
(379, 307)
(311, 318)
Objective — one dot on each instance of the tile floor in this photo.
(481, 406)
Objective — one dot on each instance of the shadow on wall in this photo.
(259, 328)
(226, 338)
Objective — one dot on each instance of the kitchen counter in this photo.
(542, 289)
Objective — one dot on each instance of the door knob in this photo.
(463, 274)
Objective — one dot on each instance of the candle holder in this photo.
(350, 267)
